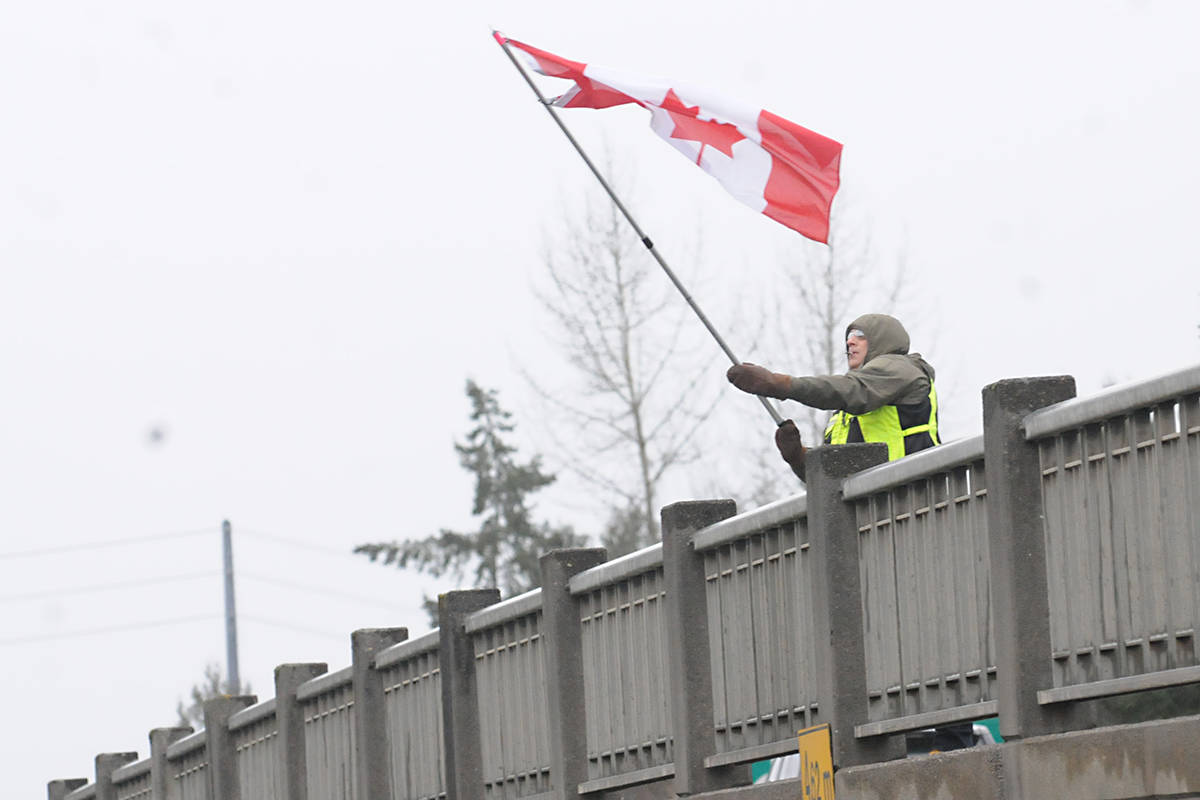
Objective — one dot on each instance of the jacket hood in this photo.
(886, 336)
(884, 333)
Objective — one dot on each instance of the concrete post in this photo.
(689, 662)
(222, 767)
(60, 788)
(1017, 548)
(371, 758)
(160, 740)
(837, 603)
(290, 719)
(105, 764)
(460, 705)
(562, 643)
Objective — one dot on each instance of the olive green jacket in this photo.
(890, 375)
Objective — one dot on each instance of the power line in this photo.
(290, 542)
(84, 546)
(303, 587)
(137, 626)
(274, 623)
(158, 537)
(104, 587)
(109, 587)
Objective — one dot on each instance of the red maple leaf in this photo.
(721, 135)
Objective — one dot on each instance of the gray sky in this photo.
(285, 234)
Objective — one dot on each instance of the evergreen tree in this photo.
(504, 551)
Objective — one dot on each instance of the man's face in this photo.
(856, 348)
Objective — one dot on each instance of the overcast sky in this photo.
(251, 251)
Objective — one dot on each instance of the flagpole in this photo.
(775, 415)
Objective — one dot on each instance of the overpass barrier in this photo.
(1121, 487)
(412, 684)
(759, 604)
(924, 565)
(509, 672)
(327, 704)
(132, 781)
(1054, 559)
(187, 768)
(258, 762)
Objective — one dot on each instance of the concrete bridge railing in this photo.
(412, 685)
(1121, 482)
(923, 556)
(1054, 559)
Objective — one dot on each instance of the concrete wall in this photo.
(1151, 759)
(1127, 762)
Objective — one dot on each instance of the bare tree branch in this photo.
(639, 395)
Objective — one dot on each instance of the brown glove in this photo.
(787, 439)
(759, 380)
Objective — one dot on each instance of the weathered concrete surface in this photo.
(837, 604)
(289, 720)
(977, 774)
(460, 699)
(222, 756)
(562, 643)
(1147, 761)
(1150, 760)
(160, 740)
(1017, 552)
(371, 757)
(777, 790)
(688, 661)
(655, 790)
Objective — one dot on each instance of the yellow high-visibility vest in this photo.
(883, 425)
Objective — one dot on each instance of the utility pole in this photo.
(231, 654)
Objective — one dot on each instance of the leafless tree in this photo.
(643, 382)
(830, 286)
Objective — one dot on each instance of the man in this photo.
(886, 396)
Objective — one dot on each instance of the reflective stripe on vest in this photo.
(883, 425)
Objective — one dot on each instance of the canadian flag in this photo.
(775, 166)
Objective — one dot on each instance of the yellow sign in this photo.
(816, 763)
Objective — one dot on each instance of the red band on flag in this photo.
(804, 175)
(589, 94)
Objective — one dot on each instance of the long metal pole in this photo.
(231, 651)
(625, 212)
